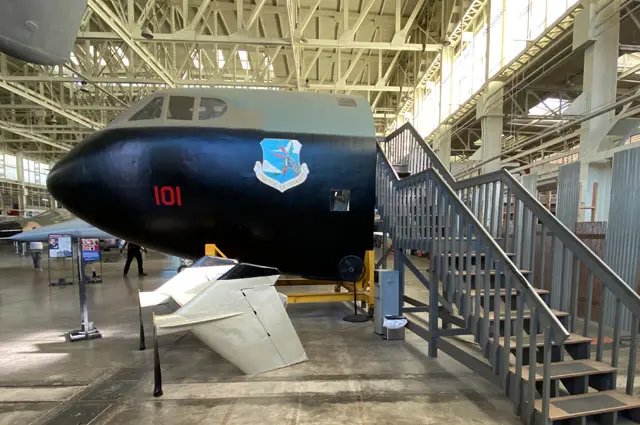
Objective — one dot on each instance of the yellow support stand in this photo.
(364, 287)
(212, 250)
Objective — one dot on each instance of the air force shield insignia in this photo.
(280, 167)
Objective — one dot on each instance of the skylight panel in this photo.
(244, 59)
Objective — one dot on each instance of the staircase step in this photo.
(503, 292)
(462, 260)
(569, 369)
(526, 314)
(491, 273)
(573, 339)
(589, 404)
(464, 238)
(474, 254)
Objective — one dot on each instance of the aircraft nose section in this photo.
(63, 179)
(100, 179)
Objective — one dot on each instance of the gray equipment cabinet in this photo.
(386, 297)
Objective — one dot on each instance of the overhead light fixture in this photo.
(146, 33)
(83, 87)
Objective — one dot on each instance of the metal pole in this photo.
(84, 312)
(87, 330)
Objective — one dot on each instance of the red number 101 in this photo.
(167, 195)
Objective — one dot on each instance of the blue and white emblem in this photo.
(280, 167)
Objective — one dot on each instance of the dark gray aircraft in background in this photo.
(40, 31)
(11, 226)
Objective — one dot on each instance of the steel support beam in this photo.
(400, 36)
(31, 136)
(349, 34)
(202, 9)
(293, 19)
(254, 15)
(53, 106)
(189, 37)
(307, 19)
(122, 33)
(127, 84)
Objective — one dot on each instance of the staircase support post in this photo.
(433, 311)
(398, 265)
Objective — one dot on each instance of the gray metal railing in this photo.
(406, 151)
(554, 255)
(423, 212)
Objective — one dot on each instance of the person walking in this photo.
(133, 251)
(36, 255)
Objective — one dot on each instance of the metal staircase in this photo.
(494, 279)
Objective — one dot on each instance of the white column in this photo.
(602, 29)
(446, 71)
(443, 145)
(489, 111)
(22, 196)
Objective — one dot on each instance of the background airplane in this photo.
(11, 226)
(40, 32)
(74, 227)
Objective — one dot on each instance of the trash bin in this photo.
(393, 327)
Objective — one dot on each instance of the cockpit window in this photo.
(211, 108)
(180, 108)
(151, 111)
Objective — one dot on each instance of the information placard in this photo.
(60, 246)
(90, 250)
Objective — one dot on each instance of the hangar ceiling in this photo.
(127, 49)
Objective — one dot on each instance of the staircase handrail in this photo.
(628, 297)
(444, 172)
(594, 263)
(560, 333)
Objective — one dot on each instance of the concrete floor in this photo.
(352, 376)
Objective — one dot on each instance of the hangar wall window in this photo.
(211, 108)
(8, 167)
(340, 200)
(505, 34)
(34, 172)
(151, 111)
(180, 108)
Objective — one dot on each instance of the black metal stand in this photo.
(352, 269)
(157, 373)
(87, 331)
(142, 342)
(61, 281)
(355, 317)
(95, 278)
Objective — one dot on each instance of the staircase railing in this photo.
(406, 151)
(557, 258)
(526, 228)
(423, 212)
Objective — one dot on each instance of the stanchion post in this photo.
(87, 331)
(142, 341)
(157, 373)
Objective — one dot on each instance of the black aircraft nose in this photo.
(77, 179)
(105, 180)
(62, 180)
